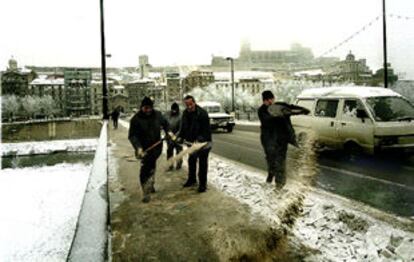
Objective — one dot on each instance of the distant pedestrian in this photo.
(115, 116)
(276, 132)
(174, 120)
(195, 127)
(145, 137)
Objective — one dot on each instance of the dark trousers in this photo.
(115, 122)
(146, 176)
(170, 152)
(202, 157)
(276, 161)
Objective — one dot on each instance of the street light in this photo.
(231, 59)
(103, 65)
(384, 43)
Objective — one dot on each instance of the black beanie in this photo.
(147, 102)
(175, 107)
(267, 95)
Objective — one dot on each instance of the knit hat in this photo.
(147, 102)
(175, 107)
(267, 95)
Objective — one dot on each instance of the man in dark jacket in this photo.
(144, 133)
(195, 127)
(115, 116)
(174, 120)
(276, 133)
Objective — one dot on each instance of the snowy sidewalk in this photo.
(180, 224)
(331, 228)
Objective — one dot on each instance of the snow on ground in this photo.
(47, 147)
(327, 225)
(247, 123)
(337, 231)
(40, 207)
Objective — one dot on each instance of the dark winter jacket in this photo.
(195, 126)
(174, 121)
(145, 131)
(115, 115)
(277, 130)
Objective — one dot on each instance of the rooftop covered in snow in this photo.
(347, 91)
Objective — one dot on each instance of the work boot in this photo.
(279, 185)
(179, 164)
(201, 189)
(269, 178)
(190, 183)
(146, 198)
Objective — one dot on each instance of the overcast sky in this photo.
(66, 32)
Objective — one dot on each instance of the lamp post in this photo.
(384, 40)
(103, 65)
(231, 59)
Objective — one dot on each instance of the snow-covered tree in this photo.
(47, 105)
(405, 88)
(31, 106)
(10, 106)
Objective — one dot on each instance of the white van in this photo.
(218, 118)
(357, 118)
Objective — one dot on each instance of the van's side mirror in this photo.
(361, 113)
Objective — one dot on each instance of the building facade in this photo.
(173, 88)
(50, 87)
(136, 91)
(15, 81)
(352, 70)
(78, 91)
(197, 79)
(118, 99)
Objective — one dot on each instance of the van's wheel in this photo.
(353, 149)
(229, 129)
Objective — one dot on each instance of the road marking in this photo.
(354, 174)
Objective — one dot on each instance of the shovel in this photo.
(192, 147)
(133, 159)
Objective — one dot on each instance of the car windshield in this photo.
(390, 108)
(213, 109)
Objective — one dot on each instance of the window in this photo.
(392, 108)
(306, 103)
(350, 108)
(326, 108)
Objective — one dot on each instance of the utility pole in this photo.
(103, 65)
(384, 30)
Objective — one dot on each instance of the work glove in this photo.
(179, 140)
(172, 137)
(139, 153)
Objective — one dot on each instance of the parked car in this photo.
(357, 119)
(218, 117)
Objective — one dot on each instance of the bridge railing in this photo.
(90, 242)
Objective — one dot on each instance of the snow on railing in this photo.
(91, 236)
